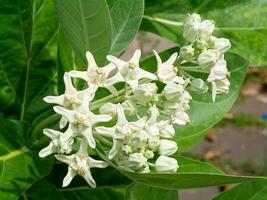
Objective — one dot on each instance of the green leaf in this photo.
(19, 166)
(139, 191)
(126, 18)
(87, 26)
(247, 32)
(204, 113)
(44, 190)
(94, 194)
(253, 190)
(26, 56)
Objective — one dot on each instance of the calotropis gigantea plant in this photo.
(142, 119)
(120, 124)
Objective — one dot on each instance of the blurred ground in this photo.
(238, 144)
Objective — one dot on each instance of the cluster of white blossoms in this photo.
(134, 126)
(207, 51)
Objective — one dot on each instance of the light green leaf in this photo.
(137, 191)
(27, 55)
(253, 190)
(204, 113)
(243, 22)
(19, 166)
(87, 26)
(126, 18)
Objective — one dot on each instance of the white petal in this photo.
(171, 60)
(66, 159)
(55, 99)
(68, 114)
(63, 122)
(68, 178)
(136, 57)
(115, 149)
(87, 133)
(89, 179)
(83, 149)
(119, 63)
(214, 91)
(67, 134)
(97, 163)
(84, 107)
(121, 115)
(99, 118)
(105, 131)
(115, 79)
(79, 74)
(112, 90)
(47, 150)
(52, 134)
(159, 61)
(133, 84)
(144, 74)
(108, 69)
(69, 89)
(92, 66)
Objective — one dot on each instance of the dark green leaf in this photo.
(253, 190)
(139, 191)
(204, 113)
(26, 56)
(87, 26)
(19, 166)
(43, 190)
(126, 18)
(243, 22)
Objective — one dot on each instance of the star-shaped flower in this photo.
(80, 164)
(167, 72)
(97, 76)
(130, 71)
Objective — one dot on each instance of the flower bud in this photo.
(198, 86)
(144, 93)
(187, 52)
(173, 91)
(222, 44)
(167, 147)
(219, 71)
(166, 164)
(166, 130)
(129, 107)
(153, 143)
(180, 118)
(126, 149)
(149, 154)
(206, 29)
(136, 162)
(108, 109)
(192, 27)
(208, 58)
(170, 107)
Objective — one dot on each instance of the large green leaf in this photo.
(243, 22)
(19, 166)
(87, 26)
(126, 18)
(28, 29)
(203, 112)
(137, 191)
(253, 190)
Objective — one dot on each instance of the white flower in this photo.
(145, 92)
(121, 131)
(187, 52)
(219, 71)
(138, 139)
(108, 109)
(173, 91)
(59, 143)
(136, 162)
(130, 71)
(192, 27)
(80, 164)
(222, 44)
(166, 129)
(166, 164)
(129, 107)
(219, 87)
(206, 29)
(180, 118)
(208, 58)
(167, 147)
(166, 71)
(97, 76)
(82, 121)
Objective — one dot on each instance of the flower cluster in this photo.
(208, 52)
(133, 126)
